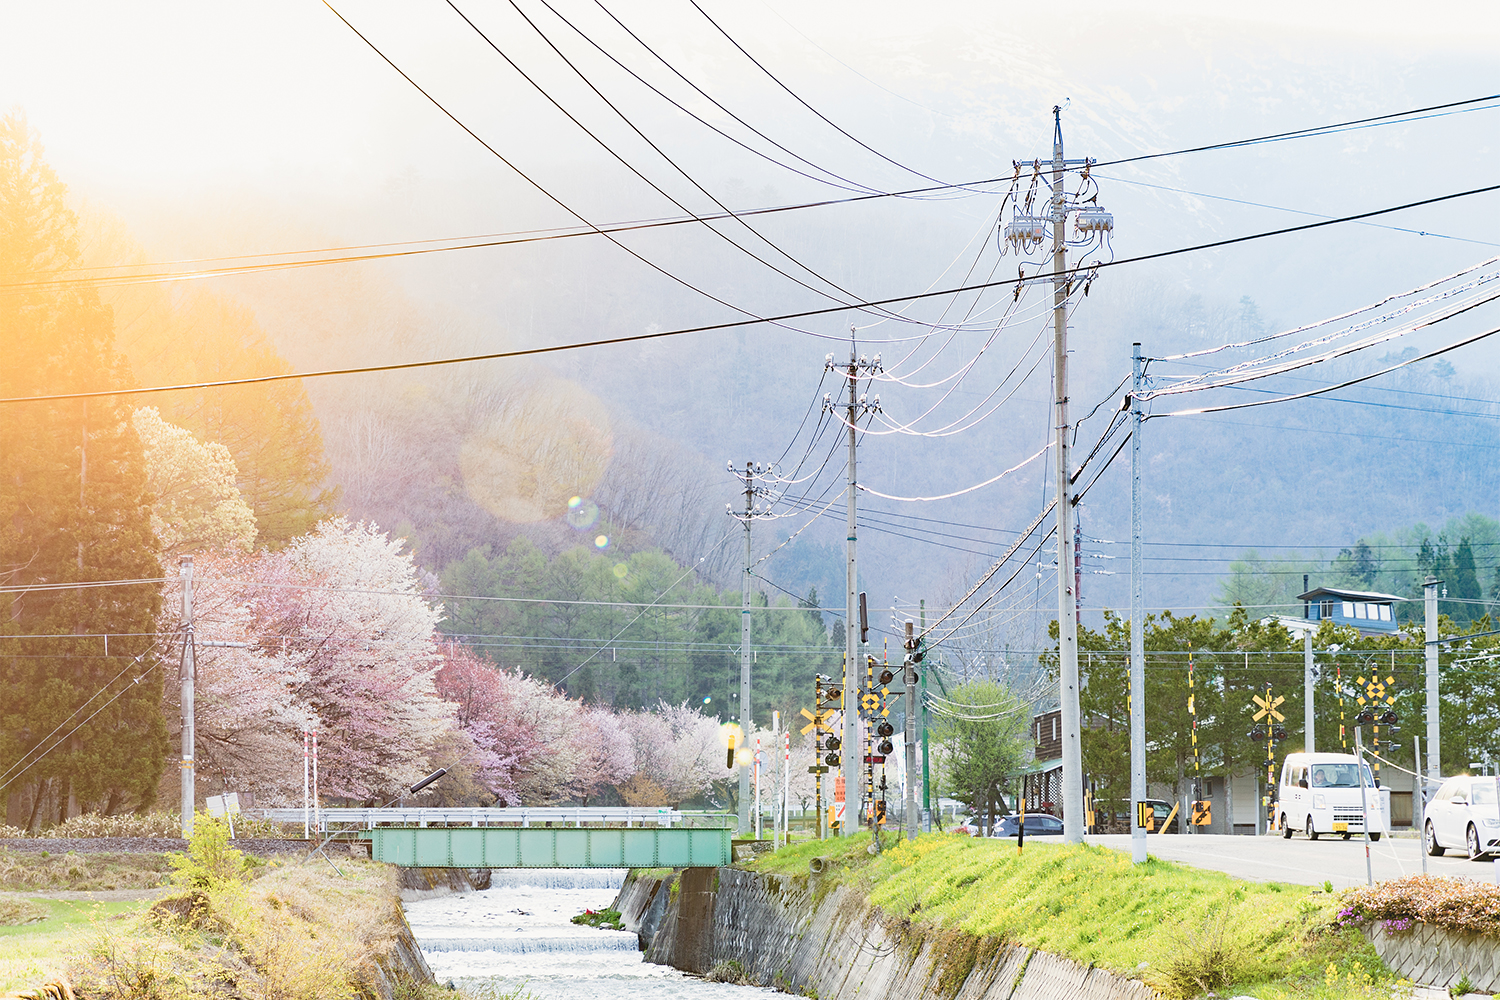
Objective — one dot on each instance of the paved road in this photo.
(1272, 859)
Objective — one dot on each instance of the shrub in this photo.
(1207, 958)
(156, 824)
(210, 864)
(1456, 904)
(15, 910)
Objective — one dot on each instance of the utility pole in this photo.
(189, 669)
(751, 491)
(1137, 610)
(858, 367)
(1434, 722)
(1067, 609)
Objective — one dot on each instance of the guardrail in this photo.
(524, 817)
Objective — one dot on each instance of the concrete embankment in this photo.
(799, 935)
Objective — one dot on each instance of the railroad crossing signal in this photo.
(1202, 813)
(1375, 691)
(816, 720)
(1268, 706)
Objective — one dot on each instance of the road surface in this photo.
(1301, 861)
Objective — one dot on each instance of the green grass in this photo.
(36, 953)
(1092, 905)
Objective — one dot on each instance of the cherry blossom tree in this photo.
(198, 504)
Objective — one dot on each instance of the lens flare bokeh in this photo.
(582, 513)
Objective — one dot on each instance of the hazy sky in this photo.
(238, 128)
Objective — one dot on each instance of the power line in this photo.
(734, 324)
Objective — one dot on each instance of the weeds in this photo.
(1205, 959)
(728, 971)
(606, 919)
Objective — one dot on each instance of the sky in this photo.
(218, 129)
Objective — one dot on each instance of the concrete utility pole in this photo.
(1067, 610)
(746, 657)
(1137, 625)
(858, 367)
(1307, 673)
(1434, 722)
(909, 680)
(189, 669)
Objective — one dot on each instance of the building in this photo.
(1373, 614)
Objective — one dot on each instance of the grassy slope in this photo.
(1093, 905)
(21, 871)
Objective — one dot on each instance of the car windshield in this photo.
(1338, 776)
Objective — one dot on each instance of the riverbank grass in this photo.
(1184, 931)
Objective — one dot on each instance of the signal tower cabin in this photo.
(1373, 614)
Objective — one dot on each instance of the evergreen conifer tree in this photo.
(80, 724)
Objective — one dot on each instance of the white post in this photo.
(850, 762)
(1364, 805)
(306, 788)
(317, 820)
(756, 767)
(786, 786)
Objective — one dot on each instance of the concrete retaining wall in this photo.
(1436, 956)
(799, 936)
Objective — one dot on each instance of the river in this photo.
(516, 938)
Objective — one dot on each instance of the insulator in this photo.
(885, 747)
(834, 743)
(877, 361)
(1093, 220)
(885, 729)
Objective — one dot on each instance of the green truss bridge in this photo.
(559, 837)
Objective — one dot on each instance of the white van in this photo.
(1320, 794)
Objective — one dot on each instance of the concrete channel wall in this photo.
(1437, 956)
(800, 936)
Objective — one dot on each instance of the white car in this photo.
(1463, 815)
(1320, 794)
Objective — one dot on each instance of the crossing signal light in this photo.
(1389, 718)
(834, 743)
(886, 676)
(885, 728)
(885, 747)
(832, 760)
(1279, 733)
(1258, 734)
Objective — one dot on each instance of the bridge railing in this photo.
(340, 817)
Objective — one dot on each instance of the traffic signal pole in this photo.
(850, 763)
(189, 672)
(1434, 722)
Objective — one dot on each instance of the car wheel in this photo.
(1348, 835)
(1434, 849)
(1312, 834)
(1475, 853)
(1286, 831)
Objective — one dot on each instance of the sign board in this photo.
(220, 805)
(1202, 813)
